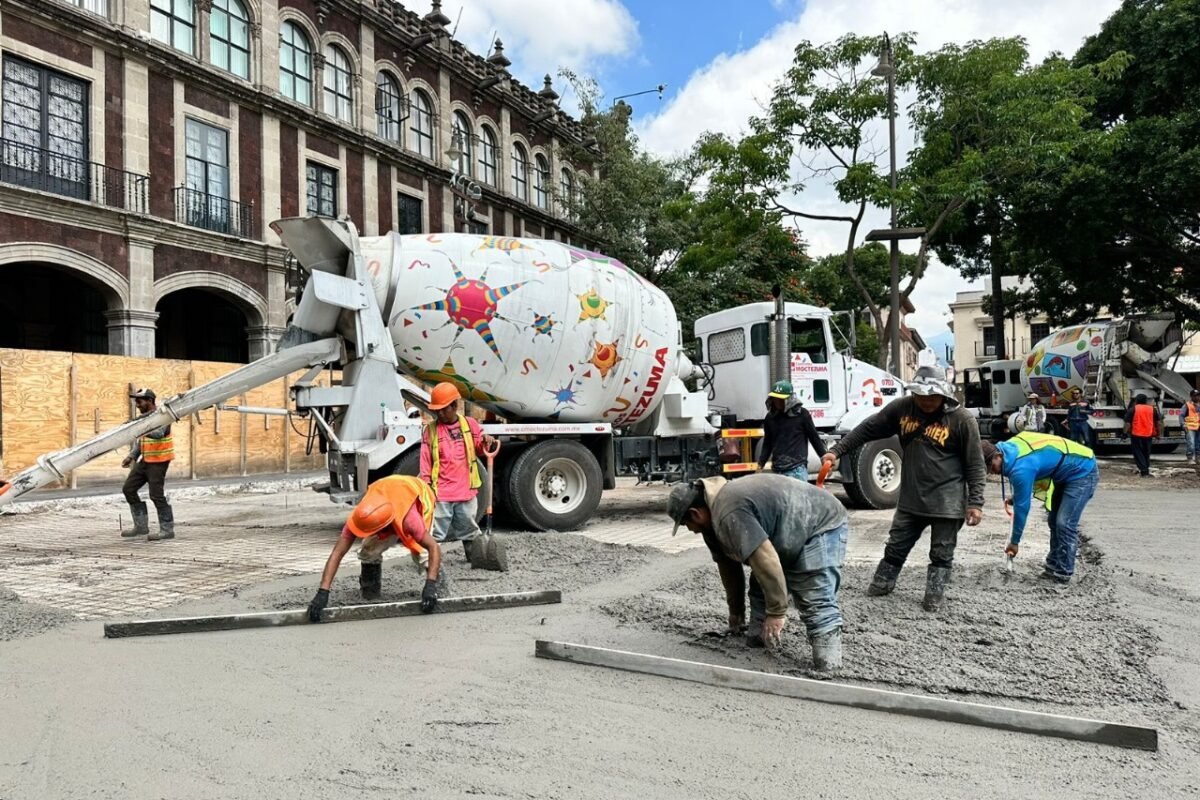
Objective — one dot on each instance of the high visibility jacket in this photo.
(156, 450)
(1033, 462)
(1143, 420)
(1191, 418)
(402, 491)
(468, 443)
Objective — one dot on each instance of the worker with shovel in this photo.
(449, 464)
(793, 537)
(1064, 472)
(395, 509)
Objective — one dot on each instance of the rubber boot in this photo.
(141, 522)
(935, 587)
(166, 525)
(370, 581)
(754, 633)
(827, 650)
(885, 579)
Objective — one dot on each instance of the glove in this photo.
(429, 597)
(319, 601)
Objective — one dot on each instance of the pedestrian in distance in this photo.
(788, 430)
(792, 535)
(1079, 411)
(1191, 427)
(941, 485)
(1063, 473)
(395, 509)
(449, 464)
(148, 461)
(1142, 423)
(1032, 416)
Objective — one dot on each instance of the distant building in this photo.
(911, 343)
(975, 334)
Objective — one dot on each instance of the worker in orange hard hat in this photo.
(449, 464)
(398, 508)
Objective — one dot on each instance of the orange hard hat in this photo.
(372, 514)
(443, 394)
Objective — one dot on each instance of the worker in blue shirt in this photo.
(1060, 471)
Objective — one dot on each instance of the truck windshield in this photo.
(808, 337)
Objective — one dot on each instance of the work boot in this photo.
(885, 579)
(370, 581)
(935, 587)
(141, 523)
(166, 525)
(827, 650)
(754, 633)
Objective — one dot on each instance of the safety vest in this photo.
(1143, 420)
(468, 442)
(156, 451)
(402, 491)
(1027, 442)
(1192, 419)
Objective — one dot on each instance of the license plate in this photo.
(1107, 435)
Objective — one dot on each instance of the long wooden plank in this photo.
(369, 611)
(1009, 719)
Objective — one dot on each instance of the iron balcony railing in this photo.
(215, 213)
(47, 171)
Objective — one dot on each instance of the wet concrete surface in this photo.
(450, 706)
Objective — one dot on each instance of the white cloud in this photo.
(540, 36)
(723, 94)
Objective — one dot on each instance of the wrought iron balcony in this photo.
(215, 213)
(47, 171)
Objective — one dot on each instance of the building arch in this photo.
(111, 284)
(253, 304)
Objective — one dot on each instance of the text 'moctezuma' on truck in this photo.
(577, 359)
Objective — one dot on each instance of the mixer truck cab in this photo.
(749, 347)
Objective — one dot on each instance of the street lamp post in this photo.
(886, 68)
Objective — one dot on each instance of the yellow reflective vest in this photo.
(1027, 442)
(468, 442)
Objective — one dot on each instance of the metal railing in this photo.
(215, 213)
(46, 171)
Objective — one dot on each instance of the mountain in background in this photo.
(939, 344)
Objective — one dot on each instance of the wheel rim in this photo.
(885, 470)
(561, 486)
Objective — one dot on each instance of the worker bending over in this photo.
(793, 537)
(1064, 472)
(398, 508)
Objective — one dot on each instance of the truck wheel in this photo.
(554, 485)
(410, 464)
(875, 468)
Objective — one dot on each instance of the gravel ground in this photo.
(19, 619)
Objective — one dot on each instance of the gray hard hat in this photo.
(929, 381)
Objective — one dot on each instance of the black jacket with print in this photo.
(943, 472)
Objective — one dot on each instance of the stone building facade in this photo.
(146, 145)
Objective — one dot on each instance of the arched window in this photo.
(520, 173)
(389, 110)
(466, 141)
(566, 192)
(173, 22)
(229, 32)
(295, 64)
(339, 87)
(488, 156)
(541, 182)
(422, 124)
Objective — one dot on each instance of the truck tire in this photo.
(875, 468)
(554, 485)
(410, 464)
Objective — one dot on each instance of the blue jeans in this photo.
(799, 473)
(1066, 508)
(454, 522)
(813, 580)
(1081, 432)
(1192, 440)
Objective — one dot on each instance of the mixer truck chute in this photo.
(578, 359)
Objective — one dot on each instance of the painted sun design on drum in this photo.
(471, 303)
(605, 357)
(592, 305)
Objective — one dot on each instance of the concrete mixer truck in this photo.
(1109, 362)
(577, 361)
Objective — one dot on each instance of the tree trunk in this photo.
(997, 290)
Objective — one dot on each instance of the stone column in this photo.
(131, 333)
(261, 339)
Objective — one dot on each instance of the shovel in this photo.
(1008, 565)
(490, 553)
(823, 474)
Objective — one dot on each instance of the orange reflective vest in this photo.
(156, 451)
(402, 491)
(1143, 421)
(1191, 419)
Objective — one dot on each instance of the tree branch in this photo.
(923, 254)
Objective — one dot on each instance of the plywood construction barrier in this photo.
(51, 400)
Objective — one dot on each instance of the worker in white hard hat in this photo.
(1032, 416)
(148, 461)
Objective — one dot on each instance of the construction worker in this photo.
(148, 460)
(449, 464)
(1064, 472)
(1079, 411)
(1191, 427)
(398, 508)
(941, 485)
(793, 537)
(1032, 416)
(788, 430)
(1142, 423)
